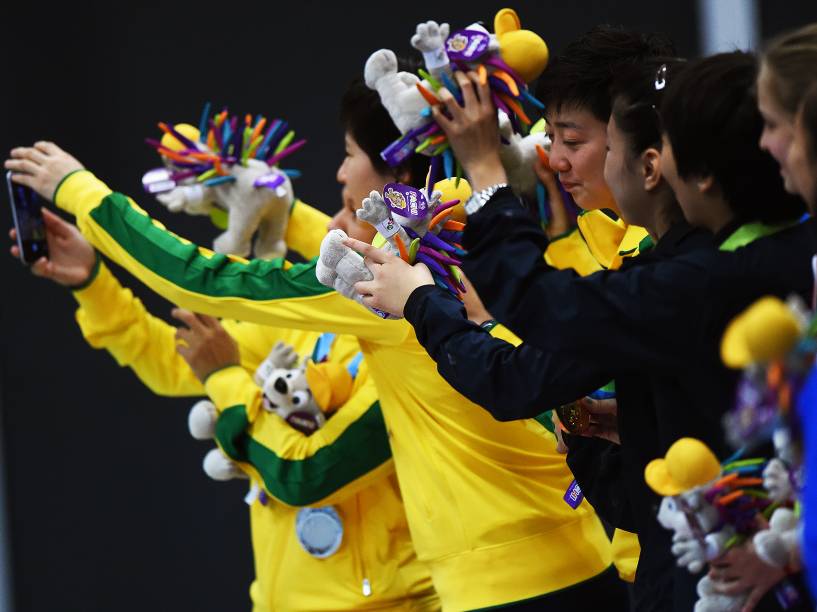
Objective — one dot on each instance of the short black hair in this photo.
(366, 119)
(710, 117)
(581, 76)
(636, 96)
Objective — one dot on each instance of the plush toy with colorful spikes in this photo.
(709, 507)
(228, 168)
(506, 60)
(410, 225)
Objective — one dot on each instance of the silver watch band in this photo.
(481, 197)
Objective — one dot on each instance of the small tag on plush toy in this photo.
(158, 180)
(387, 227)
(272, 181)
(405, 200)
(573, 495)
(467, 45)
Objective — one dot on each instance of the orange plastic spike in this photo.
(430, 97)
(508, 80)
(439, 217)
(514, 106)
(402, 248)
(483, 74)
(438, 139)
(454, 226)
(258, 129)
(727, 479)
(543, 156)
(248, 119)
(722, 501)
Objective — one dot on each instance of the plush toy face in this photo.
(287, 391)
(671, 517)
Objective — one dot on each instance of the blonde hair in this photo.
(791, 62)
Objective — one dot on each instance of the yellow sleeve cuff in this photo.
(79, 192)
(306, 229)
(233, 386)
(99, 296)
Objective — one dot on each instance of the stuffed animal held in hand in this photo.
(228, 169)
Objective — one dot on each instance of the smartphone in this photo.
(26, 209)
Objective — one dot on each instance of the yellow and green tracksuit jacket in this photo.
(599, 242)
(484, 500)
(347, 463)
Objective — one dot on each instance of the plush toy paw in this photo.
(380, 64)
(711, 600)
(374, 211)
(191, 199)
(777, 480)
(269, 250)
(202, 420)
(689, 553)
(229, 243)
(219, 467)
(340, 267)
(776, 544)
(282, 356)
(430, 36)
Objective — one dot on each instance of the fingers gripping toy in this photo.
(228, 168)
(709, 507)
(506, 61)
(414, 228)
(302, 395)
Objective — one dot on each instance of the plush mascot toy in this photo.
(506, 60)
(775, 343)
(709, 508)
(302, 395)
(411, 225)
(228, 168)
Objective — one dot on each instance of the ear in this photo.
(706, 183)
(651, 167)
(506, 20)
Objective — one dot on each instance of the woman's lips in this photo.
(568, 185)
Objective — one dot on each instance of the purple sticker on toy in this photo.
(466, 45)
(158, 180)
(270, 181)
(573, 495)
(399, 151)
(405, 201)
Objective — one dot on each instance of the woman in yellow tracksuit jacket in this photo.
(484, 500)
(346, 464)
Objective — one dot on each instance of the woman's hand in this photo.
(41, 167)
(71, 258)
(472, 130)
(394, 280)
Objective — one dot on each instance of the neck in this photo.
(666, 213)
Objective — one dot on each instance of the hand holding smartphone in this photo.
(26, 210)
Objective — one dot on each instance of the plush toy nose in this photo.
(280, 385)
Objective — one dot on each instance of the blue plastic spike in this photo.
(291, 172)
(448, 162)
(205, 116)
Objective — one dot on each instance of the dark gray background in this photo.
(108, 507)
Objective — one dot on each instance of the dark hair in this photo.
(790, 59)
(710, 116)
(636, 95)
(582, 74)
(364, 117)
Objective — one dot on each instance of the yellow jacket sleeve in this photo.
(274, 292)
(112, 318)
(306, 229)
(350, 452)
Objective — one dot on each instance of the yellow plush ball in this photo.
(524, 51)
(185, 129)
(765, 331)
(452, 191)
(689, 463)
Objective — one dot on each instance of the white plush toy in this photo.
(412, 226)
(287, 393)
(517, 56)
(231, 173)
(685, 478)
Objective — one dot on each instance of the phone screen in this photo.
(26, 210)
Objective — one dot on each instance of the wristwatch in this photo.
(480, 198)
